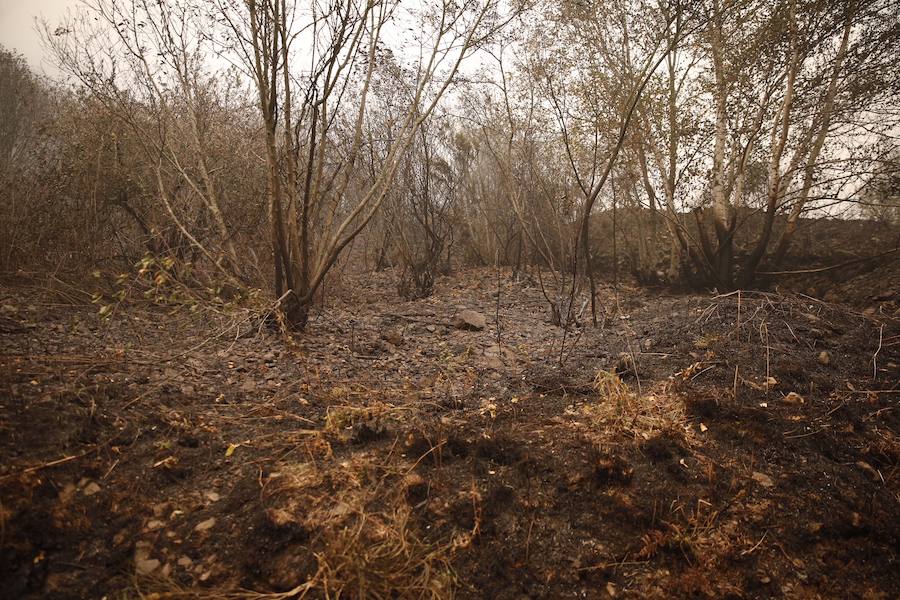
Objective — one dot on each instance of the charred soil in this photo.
(736, 446)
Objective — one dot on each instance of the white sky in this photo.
(18, 31)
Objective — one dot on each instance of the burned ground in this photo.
(736, 446)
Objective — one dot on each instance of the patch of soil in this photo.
(166, 450)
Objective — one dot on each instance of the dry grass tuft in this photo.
(621, 410)
(377, 418)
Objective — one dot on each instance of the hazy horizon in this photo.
(18, 30)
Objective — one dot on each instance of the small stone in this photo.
(91, 488)
(213, 496)
(185, 561)
(647, 344)
(430, 328)
(824, 357)
(205, 525)
(142, 549)
(146, 566)
(470, 320)
(393, 336)
(763, 479)
(67, 493)
(154, 525)
(492, 362)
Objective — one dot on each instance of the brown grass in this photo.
(622, 411)
(364, 538)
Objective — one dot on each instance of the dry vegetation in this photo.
(370, 299)
(694, 445)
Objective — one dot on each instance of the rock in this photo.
(470, 320)
(763, 479)
(185, 561)
(647, 344)
(501, 352)
(393, 337)
(824, 357)
(205, 525)
(146, 566)
(154, 525)
(492, 362)
(212, 496)
(67, 493)
(430, 328)
(143, 564)
(91, 488)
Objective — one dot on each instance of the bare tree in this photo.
(316, 203)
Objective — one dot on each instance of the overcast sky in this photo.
(18, 31)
